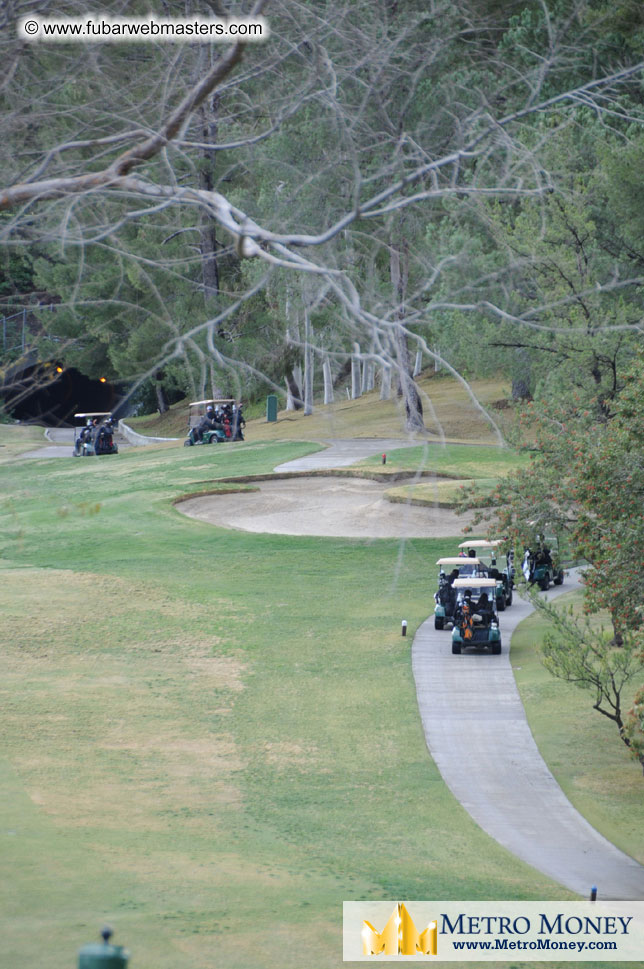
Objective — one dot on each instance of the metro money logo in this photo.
(400, 937)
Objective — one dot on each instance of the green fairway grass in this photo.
(581, 747)
(453, 460)
(210, 738)
(460, 465)
(438, 492)
(15, 439)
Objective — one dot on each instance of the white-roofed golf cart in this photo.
(476, 623)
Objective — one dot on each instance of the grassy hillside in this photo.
(368, 416)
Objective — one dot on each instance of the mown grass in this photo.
(15, 439)
(453, 460)
(462, 464)
(437, 492)
(210, 738)
(581, 747)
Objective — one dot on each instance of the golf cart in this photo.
(95, 434)
(488, 552)
(213, 421)
(476, 623)
(541, 565)
(445, 597)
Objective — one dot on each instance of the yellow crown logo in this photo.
(400, 937)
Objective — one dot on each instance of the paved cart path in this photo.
(341, 453)
(478, 735)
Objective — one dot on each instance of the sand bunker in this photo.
(334, 507)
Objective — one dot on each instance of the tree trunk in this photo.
(203, 377)
(328, 381)
(294, 391)
(364, 381)
(521, 377)
(208, 244)
(308, 366)
(408, 389)
(208, 124)
(215, 388)
(355, 374)
(293, 374)
(385, 383)
(162, 399)
(290, 403)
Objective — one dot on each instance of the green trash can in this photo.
(102, 955)
(271, 408)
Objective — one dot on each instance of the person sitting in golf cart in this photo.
(445, 596)
(208, 423)
(238, 423)
(446, 591)
(543, 556)
(484, 610)
(104, 437)
(475, 621)
(85, 435)
(492, 570)
(477, 606)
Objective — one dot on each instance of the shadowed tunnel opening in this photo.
(45, 393)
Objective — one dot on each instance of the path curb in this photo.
(141, 439)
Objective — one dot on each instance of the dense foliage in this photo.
(585, 487)
(454, 178)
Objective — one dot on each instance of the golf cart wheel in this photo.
(187, 442)
(496, 649)
(439, 622)
(508, 598)
(544, 584)
(456, 649)
(559, 577)
(501, 604)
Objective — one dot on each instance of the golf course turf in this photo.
(210, 738)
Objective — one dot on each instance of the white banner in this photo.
(608, 931)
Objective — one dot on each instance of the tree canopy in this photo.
(373, 178)
(585, 486)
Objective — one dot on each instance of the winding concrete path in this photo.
(342, 453)
(477, 733)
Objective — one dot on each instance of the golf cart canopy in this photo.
(474, 582)
(90, 415)
(481, 543)
(462, 561)
(221, 400)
